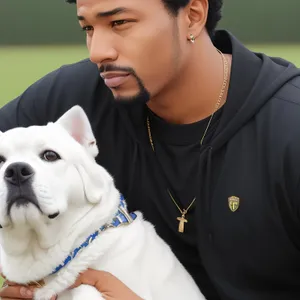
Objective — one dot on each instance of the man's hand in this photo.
(110, 287)
(13, 291)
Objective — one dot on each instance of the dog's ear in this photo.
(76, 122)
(96, 181)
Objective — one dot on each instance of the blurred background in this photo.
(38, 36)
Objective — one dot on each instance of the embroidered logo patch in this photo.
(234, 203)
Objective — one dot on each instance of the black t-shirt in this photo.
(177, 150)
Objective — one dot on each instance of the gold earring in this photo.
(192, 38)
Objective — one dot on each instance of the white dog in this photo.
(60, 213)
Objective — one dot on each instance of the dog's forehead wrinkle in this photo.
(21, 136)
(34, 139)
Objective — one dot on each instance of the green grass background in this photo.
(21, 66)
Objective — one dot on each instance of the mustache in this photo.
(111, 68)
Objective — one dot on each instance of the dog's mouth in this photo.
(21, 200)
(24, 200)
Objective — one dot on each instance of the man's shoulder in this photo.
(281, 116)
(49, 97)
(75, 84)
(285, 105)
(82, 73)
(69, 81)
(69, 77)
(290, 91)
(85, 66)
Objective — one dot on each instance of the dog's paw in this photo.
(43, 294)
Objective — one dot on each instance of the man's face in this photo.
(136, 44)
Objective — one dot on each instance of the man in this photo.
(200, 134)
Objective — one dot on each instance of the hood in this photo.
(255, 79)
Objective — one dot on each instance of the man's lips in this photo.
(113, 80)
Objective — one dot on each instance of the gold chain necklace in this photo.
(182, 220)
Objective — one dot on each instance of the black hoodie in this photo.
(243, 237)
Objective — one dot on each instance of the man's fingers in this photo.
(89, 277)
(15, 292)
(107, 284)
(11, 283)
(11, 298)
(53, 298)
(99, 279)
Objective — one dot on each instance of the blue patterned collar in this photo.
(122, 217)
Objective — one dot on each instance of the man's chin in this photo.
(132, 99)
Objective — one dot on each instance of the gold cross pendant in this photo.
(181, 220)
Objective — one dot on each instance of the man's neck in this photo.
(193, 95)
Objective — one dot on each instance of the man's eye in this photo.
(118, 23)
(87, 28)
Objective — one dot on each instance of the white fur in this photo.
(84, 194)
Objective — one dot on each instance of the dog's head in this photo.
(48, 177)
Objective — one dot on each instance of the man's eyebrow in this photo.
(108, 13)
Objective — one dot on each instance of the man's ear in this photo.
(196, 16)
(77, 124)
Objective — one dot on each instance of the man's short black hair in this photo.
(214, 12)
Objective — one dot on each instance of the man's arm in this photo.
(108, 285)
(284, 156)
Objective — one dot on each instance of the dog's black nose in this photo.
(18, 173)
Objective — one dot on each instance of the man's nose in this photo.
(102, 49)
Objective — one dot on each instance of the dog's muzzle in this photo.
(18, 177)
(18, 173)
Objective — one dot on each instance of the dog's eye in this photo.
(50, 155)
